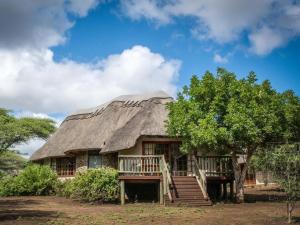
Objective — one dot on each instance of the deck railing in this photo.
(215, 165)
(201, 177)
(140, 165)
(147, 165)
(167, 181)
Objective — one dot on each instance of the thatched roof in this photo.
(113, 126)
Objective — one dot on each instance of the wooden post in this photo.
(122, 186)
(231, 190)
(225, 191)
(161, 192)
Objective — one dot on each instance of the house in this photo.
(128, 133)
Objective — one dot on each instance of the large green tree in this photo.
(15, 131)
(227, 115)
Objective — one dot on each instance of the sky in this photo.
(58, 56)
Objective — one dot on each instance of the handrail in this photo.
(201, 178)
(148, 165)
(167, 178)
(138, 165)
(215, 165)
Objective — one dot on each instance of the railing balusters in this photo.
(215, 165)
(140, 165)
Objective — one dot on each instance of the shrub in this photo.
(63, 188)
(33, 180)
(94, 185)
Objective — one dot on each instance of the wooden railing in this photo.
(140, 165)
(200, 177)
(167, 181)
(216, 165)
(147, 165)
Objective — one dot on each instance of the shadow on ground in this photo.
(12, 209)
(16, 214)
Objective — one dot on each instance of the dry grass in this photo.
(61, 211)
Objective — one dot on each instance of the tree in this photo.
(226, 115)
(15, 131)
(283, 161)
(11, 162)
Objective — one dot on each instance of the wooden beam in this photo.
(140, 177)
(122, 194)
(161, 193)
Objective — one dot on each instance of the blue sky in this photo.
(60, 56)
(106, 31)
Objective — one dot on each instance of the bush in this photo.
(94, 185)
(63, 188)
(33, 180)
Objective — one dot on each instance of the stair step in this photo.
(186, 183)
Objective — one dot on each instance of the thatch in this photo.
(113, 126)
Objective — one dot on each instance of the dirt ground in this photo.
(264, 206)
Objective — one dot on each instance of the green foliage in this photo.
(93, 185)
(63, 188)
(225, 114)
(14, 131)
(33, 180)
(11, 162)
(283, 161)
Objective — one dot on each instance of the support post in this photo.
(225, 191)
(231, 190)
(161, 192)
(122, 186)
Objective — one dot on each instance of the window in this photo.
(95, 160)
(156, 148)
(65, 166)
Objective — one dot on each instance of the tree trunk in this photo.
(290, 208)
(239, 176)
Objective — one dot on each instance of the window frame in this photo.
(94, 153)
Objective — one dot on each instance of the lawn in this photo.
(265, 207)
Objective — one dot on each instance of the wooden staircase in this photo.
(186, 192)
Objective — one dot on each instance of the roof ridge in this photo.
(134, 99)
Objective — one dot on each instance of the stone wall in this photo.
(81, 161)
(110, 160)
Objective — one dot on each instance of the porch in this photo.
(203, 175)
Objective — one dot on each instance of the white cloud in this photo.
(220, 59)
(265, 40)
(145, 8)
(82, 8)
(30, 147)
(33, 81)
(38, 24)
(227, 21)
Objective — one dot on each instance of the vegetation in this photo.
(92, 185)
(15, 131)
(11, 162)
(33, 180)
(226, 115)
(284, 163)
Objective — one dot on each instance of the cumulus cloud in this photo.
(35, 82)
(227, 21)
(38, 24)
(220, 59)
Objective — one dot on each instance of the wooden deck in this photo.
(154, 169)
